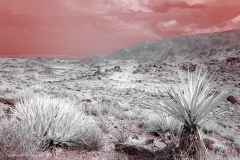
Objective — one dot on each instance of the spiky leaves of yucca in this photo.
(53, 121)
(191, 102)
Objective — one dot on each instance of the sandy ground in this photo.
(77, 83)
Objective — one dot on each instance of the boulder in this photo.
(233, 59)
(138, 152)
(232, 99)
(159, 144)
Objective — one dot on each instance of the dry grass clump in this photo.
(160, 122)
(104, 106)
(16, 142)
(211, 127)
(121, 136)
(52, 121)
(91, 140)
(225, 132)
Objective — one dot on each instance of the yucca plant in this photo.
(53, 121)
(190, 103)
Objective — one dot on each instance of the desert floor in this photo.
(126, 88)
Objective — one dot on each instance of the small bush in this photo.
(93, 109)
(15, 143)
(211, 127)
(122, 136)
(161, 123)
(53, 121)
(91, 140)
(100, 107)
(230, 133)
(217, 146)
(104, 127)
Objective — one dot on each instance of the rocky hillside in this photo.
(92, 60)
(152, 51)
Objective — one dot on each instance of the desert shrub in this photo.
(121, 136)
(102, 106)
(164, 126)
(15, 142)
(93, 109)
(230, 133)
(227, 133)
(211, 127)
(105, 127)
(91, 140)
(217, 146)
(52, 121)
(162, 122)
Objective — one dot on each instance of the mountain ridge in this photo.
(153, 51)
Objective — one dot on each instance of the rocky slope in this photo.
(158, 50)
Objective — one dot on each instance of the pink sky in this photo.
(100, 27)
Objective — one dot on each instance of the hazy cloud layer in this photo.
(99, 27)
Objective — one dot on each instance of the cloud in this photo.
(233, 23)
(189, 30)
(168, 24)
(235, 20)
(192, 2)
(164, 7)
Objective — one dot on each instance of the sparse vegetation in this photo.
(161, 122)
(115, 112)
(91, 140)
(104, 106)
(121, 136)
(16, 142)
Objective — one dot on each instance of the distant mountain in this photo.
(157, 50)
(92, 60)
